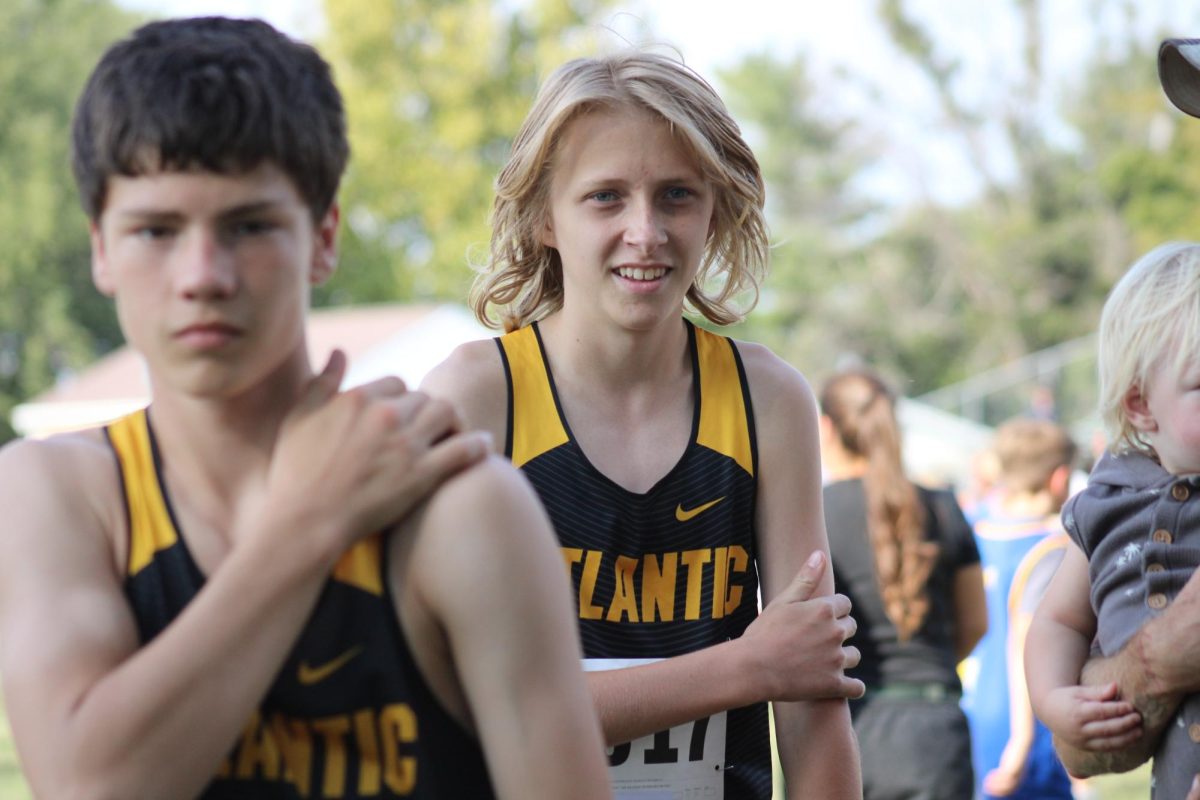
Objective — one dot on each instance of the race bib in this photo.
(686, 762)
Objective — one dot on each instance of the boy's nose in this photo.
(205, 268)
(645, 230)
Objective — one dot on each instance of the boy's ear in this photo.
(1138, 411)
(1060, 481)
(101, 275)
(547, 236)
(324, 258)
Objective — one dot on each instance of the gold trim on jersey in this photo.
(151, 529)
(360, 565)
(536, 427)
(723, 425)
(1052, 542)
(150, 526)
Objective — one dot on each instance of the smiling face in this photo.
(629, 214)
(1167, 414)
(211, 273)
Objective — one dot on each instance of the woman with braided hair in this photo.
(907, 558)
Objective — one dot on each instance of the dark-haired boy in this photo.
(263, 586)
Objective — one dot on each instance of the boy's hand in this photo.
(362, 459)
(1004, 779)
(1092, 718)
(799, 640)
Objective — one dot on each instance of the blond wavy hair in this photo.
(1151, 318)
(522, 278)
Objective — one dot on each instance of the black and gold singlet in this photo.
(662, 573)
(349, 715)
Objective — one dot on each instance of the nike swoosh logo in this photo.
(683, 515)
(310, 675)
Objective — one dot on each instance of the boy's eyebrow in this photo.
(254, 207)
(600, 180)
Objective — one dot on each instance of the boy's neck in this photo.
(1028, 504)
(222, 442)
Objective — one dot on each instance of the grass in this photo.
(1129, 786)
(12, 785)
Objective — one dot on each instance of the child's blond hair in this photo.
(1150, 319)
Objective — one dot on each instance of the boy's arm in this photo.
(488, 567)
(1082, 719)
(817, 748)
(94, 712)
(1006, 777)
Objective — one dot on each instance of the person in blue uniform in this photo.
(1012, 750)
(261, 585)
(680, 468)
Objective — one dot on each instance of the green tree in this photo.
(51, 318)
(435, 91)
(809, 159)
(1140, 148)
(1023, 266)
(1026, 264)
(932, 293)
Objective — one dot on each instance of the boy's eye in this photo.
(152, 232)
(250, 227)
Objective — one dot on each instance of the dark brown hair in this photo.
(223, 95)
(862, 410)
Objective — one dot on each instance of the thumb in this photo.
(324, 384)
(807, 579)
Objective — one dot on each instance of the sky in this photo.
(858, 71)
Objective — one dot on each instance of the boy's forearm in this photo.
(639, 701)
(183, 698)
(817, 750)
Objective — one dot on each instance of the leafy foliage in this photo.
(51, 318)
(435, 90)
(939, 292)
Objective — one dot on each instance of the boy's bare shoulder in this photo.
(470, 367)
(72, 451)
(776, 385)
(489, 510)
(66, 478)
(473, 378)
